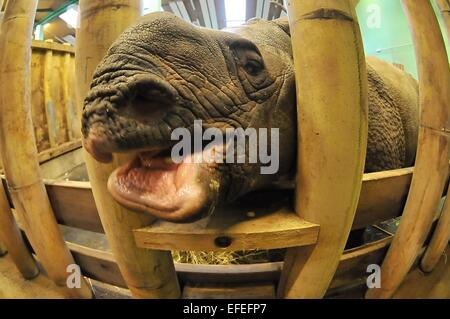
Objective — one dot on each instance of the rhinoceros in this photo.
(164, 73)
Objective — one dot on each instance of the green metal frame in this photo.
(55, 14)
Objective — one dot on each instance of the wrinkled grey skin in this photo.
(164, 73)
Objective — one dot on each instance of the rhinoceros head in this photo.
(163, 74)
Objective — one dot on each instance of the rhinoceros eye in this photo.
(253, 67)
(247, 56)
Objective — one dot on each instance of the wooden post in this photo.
(18, 146)
(68, 103)
(439, 241)
(148, 274)
(48, 99)
(331, 81)
(441, 235)
(444, 7)
(432, 153)
(11, 236)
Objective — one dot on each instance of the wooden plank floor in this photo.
(13, 286)
(416, 285)
(435, 285)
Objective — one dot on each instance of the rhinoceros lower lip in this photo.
(153, 184)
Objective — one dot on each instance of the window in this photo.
(71, 16)
(235, 12)
(151, 6)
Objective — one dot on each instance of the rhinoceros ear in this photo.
(283, 23)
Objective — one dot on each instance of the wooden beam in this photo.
(18, 146)
(11, 236)
(48, 98)
(331, 80)
(231, 230)
(42, 45)
(444, 8)
(439, 241)
(227, 291)
(148, 274)
(383, 196)
(52, 153)
(433, 147)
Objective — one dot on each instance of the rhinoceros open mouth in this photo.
(152, 182)
(138, 118)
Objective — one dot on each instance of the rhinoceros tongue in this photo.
(156, 185)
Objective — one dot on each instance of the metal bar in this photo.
(55, 14)
(220, 11)
(250, 9)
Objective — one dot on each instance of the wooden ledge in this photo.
(54, 152)
(42, 45)
(232, 229)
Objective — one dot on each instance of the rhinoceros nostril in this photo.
(96, 143)
(149, 102)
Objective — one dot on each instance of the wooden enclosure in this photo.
(53, 98)
(18, 147)
(383, 196)
(122, 248)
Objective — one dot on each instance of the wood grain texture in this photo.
(38, 112)
(444, 8)
(433, 148)
(439, 241)
(48, 100)
(420, 285)
(52, 46)
(383, 196)
(53, 111)
(53, 153)
(11, 236)
(74, 205)
(332, 120)
(96, 261)
(248, 291)
(353, 264)
(278, 229)
(148, 274)
(18, 147)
